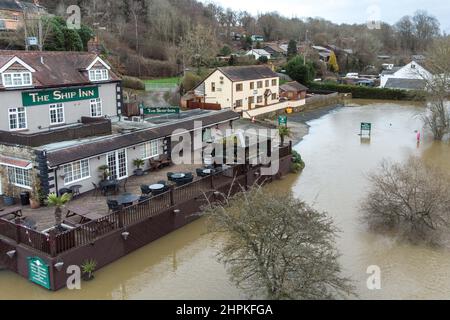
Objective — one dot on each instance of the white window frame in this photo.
(16, 114)
(96, 105)
(98, 75)
(19, 76)
(149, 148)
(13, 177)
(57, 107)
(115, 155)
(68, 170)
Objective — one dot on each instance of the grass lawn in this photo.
(172, 80)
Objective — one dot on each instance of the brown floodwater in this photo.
(183, 264)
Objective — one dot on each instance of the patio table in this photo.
(126, 199)
(82, 211)
(156, 187)
(177, 176)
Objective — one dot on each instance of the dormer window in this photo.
(16, 79)
(98, 75)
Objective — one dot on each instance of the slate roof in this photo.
(58, 68)
(391, 71)
(406, 84)
(293, 86)
(246, 73)
(107, 144)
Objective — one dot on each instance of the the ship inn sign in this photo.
(35, 98)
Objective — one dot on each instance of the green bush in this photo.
(133, 83)
(297, 162)
(362, 92)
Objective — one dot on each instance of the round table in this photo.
(176, 176)
(76, 189)
(126, 199)
(156, 187)
(207, 171)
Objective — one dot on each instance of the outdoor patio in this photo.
(96, 203)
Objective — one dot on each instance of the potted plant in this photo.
(36, 195)
(88, 267)
(8, 197)
(105, 173)
(283, 132)
(138, 163)
(53, 200)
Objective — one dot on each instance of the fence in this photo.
(88, 233)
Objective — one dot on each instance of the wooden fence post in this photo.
(120, 213)
(52, 243)
(18, 226)
(172, 200)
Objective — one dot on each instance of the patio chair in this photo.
(164, 183)
(113, 205)
(144, 198)
(169, 176)
(184, 181)
(97, 190)
(200, 172)
(145, 189)
(189, 175)
(123, 185)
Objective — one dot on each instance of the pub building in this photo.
(61, 120)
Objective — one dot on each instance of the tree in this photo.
(225, 51)
(300, 71)
(412, 199)
(263, 59)
(72, 40)
(292, 49)
(332, 63)
(58, 202)
(247, 43)
(427, 27)
(278, 246)
(199, 47)
(437, 117)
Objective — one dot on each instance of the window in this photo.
(274, 96)
(267, 83)
(150, 149)
(239, 87)
(19, 177)
(238, 103)
(17, 118)
(260, 84)
(213, 87)
(96, 107)
(16, 79)
(56, 113)
(274, 82)
(76, 171)
(259, 99)
(252, 85)
(98, 75)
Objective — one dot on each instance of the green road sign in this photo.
(38, 272)
(35, 98)
(166, 110)
(365, 126)
(282, 120)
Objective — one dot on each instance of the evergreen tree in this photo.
(300, 71)
(332, 63)
(292, 49)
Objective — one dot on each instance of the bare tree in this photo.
(438, 88)
(412, 199)
(278, 246)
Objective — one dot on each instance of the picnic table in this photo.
(16, 211)
(83, 212)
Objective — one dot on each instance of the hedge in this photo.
(133, 83)
(363, 92)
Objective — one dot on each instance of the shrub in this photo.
(133, 83)
(297, 162)
(362, 92)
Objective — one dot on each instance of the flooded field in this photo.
(182, 265)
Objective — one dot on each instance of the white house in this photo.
(413, 76)
(258, 53)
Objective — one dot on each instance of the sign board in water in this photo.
(38, 272)
(366, 126)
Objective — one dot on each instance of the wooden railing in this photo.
(91, 231)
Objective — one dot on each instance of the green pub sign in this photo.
(156, 110)
(35, 98)
(38, 272)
